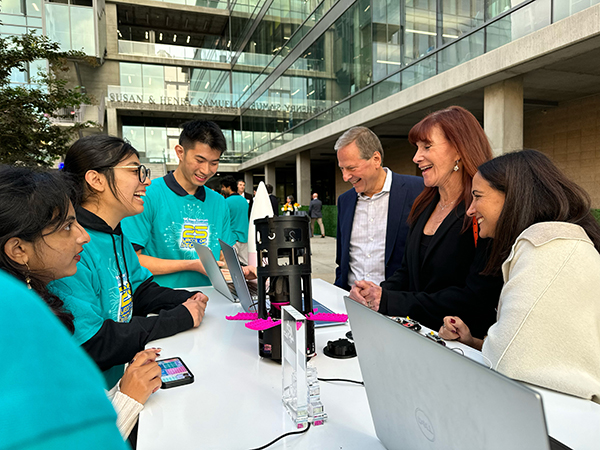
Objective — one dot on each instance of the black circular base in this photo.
(340, 349)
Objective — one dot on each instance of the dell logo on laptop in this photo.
(425, 425)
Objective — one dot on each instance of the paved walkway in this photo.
(323, 258)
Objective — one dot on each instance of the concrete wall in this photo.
(570, 135)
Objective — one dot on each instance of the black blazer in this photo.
(448, 283)
(274, 204)
(404, 190)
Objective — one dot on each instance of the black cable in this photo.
(282, 436)
(362, 383)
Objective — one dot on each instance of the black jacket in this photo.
(448, 283)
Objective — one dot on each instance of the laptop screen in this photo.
(423, 395)
(237, 276)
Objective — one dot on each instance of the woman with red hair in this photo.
(443, 260)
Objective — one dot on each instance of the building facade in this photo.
(285, 78)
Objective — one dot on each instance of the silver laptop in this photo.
(249, 302)
(214, 271)
(237, 275)
(423, 395)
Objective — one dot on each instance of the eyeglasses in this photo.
(142, 171)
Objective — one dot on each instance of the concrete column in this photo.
(503, 115)
(249, 179)
(112, 123)
(303, 177)
(112, 24)
(270, 175)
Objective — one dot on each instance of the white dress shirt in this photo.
(369, 230)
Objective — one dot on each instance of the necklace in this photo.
(443, 207)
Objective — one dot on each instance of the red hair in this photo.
(464, 133)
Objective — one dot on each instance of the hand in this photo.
(142, 377)
(450, 329)
(357, 297)
(196, 308)
(371, 292)
(250, 272)
(200, 297)
(454, 329)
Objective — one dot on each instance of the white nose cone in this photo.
(261, 207)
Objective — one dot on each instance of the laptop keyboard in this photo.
(253, 288)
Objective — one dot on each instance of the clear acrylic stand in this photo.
(301, 392)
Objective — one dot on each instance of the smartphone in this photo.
(174, 372)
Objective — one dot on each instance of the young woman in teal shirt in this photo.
(40, 241)
(111, 295)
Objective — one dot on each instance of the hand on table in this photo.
(454, 329)
(142, 377)
(366, 293)
(196, 305)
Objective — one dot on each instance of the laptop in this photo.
(214, 272)
(249, 301)
(423, 395)
(242, 287)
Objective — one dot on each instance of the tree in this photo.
(27, 134)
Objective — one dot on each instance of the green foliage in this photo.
(596, 213)
(27, 135)
(329, 219)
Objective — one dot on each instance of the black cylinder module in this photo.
(283, 258)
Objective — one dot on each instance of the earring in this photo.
(456, 166)
(27, 279)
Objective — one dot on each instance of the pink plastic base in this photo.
(323, 317)
(262, 324)
(243, 316)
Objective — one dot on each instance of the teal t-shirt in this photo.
(238, 209)
(172, 222)
(100, 289)
(52, 394)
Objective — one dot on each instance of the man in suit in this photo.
(241, 190)
(316, 215)
(371, 227)
(273, 199)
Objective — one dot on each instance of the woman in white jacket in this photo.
(546, 244)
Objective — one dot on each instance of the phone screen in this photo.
(173, 370)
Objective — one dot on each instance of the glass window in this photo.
(153, 80)
(136, 137)
(12, 7)
(130, 75)
(57, 24)
(36, 67)
(461, 51)
(11, 19)
(82, 30)
(460, 16)
(34, 8)
(420, 29)
(34, 22)
(156, 143)
(16, 76)
(10, 29)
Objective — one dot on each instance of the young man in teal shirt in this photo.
(238, 209)
(179, 210)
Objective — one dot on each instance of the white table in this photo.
(235, 401)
